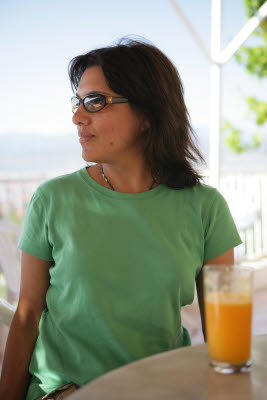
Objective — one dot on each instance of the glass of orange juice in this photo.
(228, 292)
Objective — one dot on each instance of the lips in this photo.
(86, 138)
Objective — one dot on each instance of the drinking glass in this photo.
(228, 293)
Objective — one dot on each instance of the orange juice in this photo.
(228, 319)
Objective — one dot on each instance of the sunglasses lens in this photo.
(94, 103)
(74, 104)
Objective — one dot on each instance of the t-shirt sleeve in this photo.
(34, 237)
(220, 230)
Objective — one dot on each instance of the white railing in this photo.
(245, 193)
(247, 197)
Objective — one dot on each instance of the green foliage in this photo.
(257, 140)
(254, 60)
(258, 108)
(252, 7)
(233, 139)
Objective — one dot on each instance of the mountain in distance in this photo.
(38, 154)
(34, 154)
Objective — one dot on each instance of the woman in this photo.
(110, 253)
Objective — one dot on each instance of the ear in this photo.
(145, 125)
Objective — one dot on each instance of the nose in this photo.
(81, 116)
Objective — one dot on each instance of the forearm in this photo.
(19, 347)
(202, 315)
(200, 295)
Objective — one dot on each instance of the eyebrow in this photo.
(94, 92)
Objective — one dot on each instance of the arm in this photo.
(23, 331)
(225, 258)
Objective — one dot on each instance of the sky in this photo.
(39, 38)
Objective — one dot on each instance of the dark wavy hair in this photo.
(141, 72)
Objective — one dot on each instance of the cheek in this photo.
(111, 136)
(119, 131)
(106, 129)
(112, 132)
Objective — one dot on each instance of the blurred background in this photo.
(38, 140)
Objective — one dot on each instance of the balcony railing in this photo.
(246, 195)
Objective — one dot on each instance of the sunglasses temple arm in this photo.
(119, 100)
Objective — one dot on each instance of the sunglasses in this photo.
(95, 102)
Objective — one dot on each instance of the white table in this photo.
(180, 374)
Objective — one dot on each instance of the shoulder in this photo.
(61, 180)
(212, 204)
(205, 191)
(202, 194)
(207, 200)
(58, 184)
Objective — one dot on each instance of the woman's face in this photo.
(109, 135)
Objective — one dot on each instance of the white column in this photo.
(215, 94)
(215, 122)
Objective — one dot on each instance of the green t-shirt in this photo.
(123, 265)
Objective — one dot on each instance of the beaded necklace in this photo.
(106, 179)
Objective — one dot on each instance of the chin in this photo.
(92, 159)
(88, 157)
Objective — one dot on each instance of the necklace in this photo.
(106, 179)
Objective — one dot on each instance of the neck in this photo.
(132, 180)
